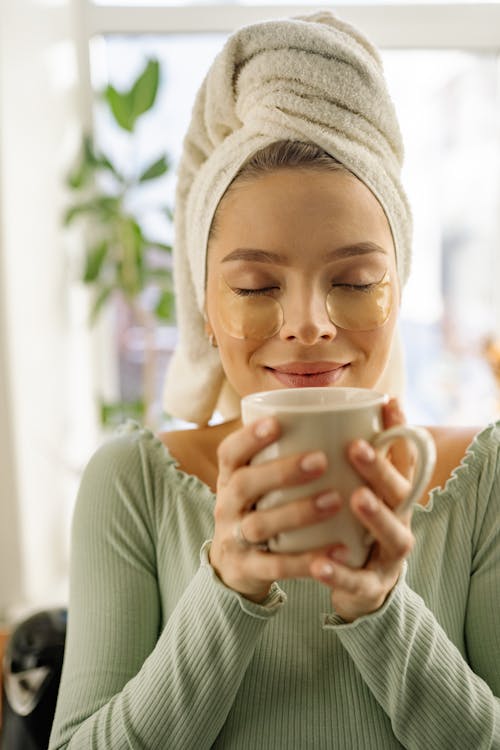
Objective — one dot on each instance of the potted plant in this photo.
(123, 262)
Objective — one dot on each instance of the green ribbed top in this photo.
(160, 654)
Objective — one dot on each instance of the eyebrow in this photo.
(266, 256)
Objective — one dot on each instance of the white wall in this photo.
(39, 127)
(10, 558)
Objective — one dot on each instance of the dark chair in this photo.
(31, 674)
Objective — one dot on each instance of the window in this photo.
(447, 101)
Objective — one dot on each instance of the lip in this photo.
(308, 374)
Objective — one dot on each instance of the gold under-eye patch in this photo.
(249, 316)
(360, 309)
(260, 316)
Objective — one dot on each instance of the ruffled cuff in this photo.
(273, 602)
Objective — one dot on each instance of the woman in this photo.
(184, 631)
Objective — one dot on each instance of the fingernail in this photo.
(328, 500)
(313, 462)
(326, 569)
(364, 451)
(367, 502)
(264, 428)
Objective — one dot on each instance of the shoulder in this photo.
(125, 475)
(132, 450)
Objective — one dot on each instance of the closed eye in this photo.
(356, 287)
(254, 292)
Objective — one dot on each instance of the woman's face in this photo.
(287, 239)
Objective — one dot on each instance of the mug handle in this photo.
(426, 457)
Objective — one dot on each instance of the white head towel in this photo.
(311, 78)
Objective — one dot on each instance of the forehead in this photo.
(291, 210)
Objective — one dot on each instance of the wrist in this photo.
(256, 595)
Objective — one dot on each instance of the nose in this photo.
(306, 318)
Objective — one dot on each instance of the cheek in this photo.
(376, 346)
(236, 359)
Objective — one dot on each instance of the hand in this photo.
(357, 592)
(244, 567)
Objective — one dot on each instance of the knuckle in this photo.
(355, 588)
(300, 512)
(385, 469)
(255, 527)
(224, 454)
(310, 511)
(238, 484)
(282, 474)
(404, 546)
(373, 593)
(218, 512)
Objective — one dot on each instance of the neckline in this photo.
(444, 490)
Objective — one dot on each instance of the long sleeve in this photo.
(160, 654)
(435, 693)
(128, 683)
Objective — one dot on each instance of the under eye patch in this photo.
(250, 316)
(260, 316)
(360, 309)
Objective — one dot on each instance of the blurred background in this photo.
(94, 101)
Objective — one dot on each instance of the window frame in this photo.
(468, 26)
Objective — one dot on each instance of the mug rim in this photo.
(260, 400)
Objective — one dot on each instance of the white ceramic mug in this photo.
(328, 419)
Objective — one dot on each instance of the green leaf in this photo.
(78, 176)
(96, 160)
(94, 260)
(157, 169)
(165, 307)
(131, 268)
(115, 412)
(88, 149)
(143, 93)
(168, 213)
(100, 300)
(121, 107)
(73, 211)
(104, 207)
(81, 172)
(104, 163)
(88, 163)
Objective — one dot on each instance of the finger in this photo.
(355, 592)
(238, 448)
(390, 531)
(250, 483)
(266, 566)
(379, 473)
(354, 581)
(402, 452)
(261, 525)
